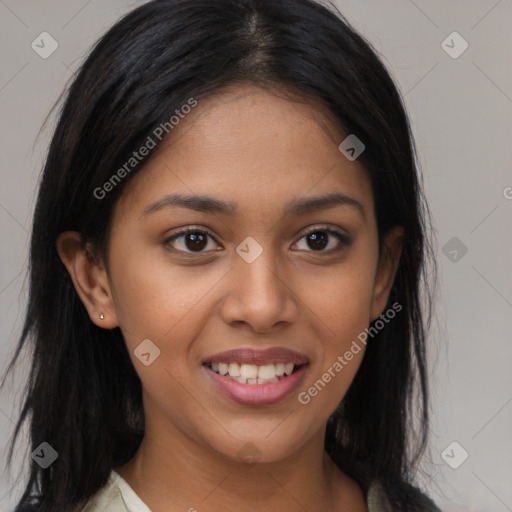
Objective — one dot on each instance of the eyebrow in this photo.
(205, 204)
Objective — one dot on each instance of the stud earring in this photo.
(101, 316)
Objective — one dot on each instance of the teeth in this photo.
(243, 380)
(252, 373)
(267, 371)
(268, 381)
(249, 371)
(234, 370)
(280, 369)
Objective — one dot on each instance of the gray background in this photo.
(461, 112)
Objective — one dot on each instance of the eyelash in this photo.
(342, 239)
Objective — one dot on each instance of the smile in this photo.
(256, 377)
(252, 373)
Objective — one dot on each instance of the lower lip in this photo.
(257, 394)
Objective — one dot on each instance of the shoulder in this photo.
(109, 498)
(388, 496)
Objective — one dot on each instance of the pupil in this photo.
(317, 240)
(197, 241)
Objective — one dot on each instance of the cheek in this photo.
(167, 305)
(156, 300)
(342, 297)
(341, 302)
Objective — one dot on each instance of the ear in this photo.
(89, 277)
(389, 257)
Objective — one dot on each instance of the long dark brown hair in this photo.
(84, 396)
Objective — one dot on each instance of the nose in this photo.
(260, 296)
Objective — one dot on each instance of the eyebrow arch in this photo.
(205, 204)
(324, 202)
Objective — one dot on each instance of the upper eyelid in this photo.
(190, 229)
(323, 227)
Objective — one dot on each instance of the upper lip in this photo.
(259, 357)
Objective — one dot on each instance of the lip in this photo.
(258, 357)
(257, 394)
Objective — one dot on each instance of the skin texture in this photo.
(250, 147)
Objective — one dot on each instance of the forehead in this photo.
(252, 147)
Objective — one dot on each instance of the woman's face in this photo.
(271, 279)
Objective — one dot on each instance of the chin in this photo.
(257, 449)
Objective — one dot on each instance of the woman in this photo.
(227, 266)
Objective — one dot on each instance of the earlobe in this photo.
(89, 279)
(391, 250)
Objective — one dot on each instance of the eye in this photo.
(191, 240)
(194, 240)
(324, 240)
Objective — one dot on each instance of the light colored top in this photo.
(118, 496)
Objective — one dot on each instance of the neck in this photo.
(175, 469)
